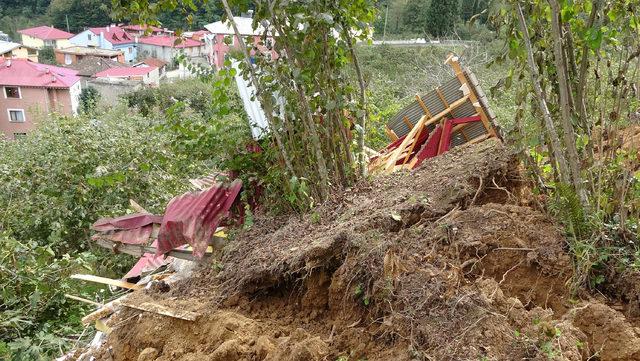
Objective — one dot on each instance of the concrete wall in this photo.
(167, 53)
(34, 101)
(111, 89)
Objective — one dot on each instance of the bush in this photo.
(54, 184)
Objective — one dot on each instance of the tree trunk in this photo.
(565, 108)
(544, 109)
(362, 163)
(266, 100)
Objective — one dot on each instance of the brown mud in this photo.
(450, 262)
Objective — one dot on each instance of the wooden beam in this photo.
(423, 106)
(452, 60)
(139, 249)
(424, 121)
(107, 281)
(77, 298)
(162, 310)
(103, 311)
(391, 134)
(407, 122)
(443, 100)
(413, 145)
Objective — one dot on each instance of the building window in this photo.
(12, 92)
(67, 59)
(130, 50)
(16, 115)
(89, 37)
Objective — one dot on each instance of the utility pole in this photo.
(67, 18)
(384, 31)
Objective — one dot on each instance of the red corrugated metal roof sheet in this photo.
(193, 218)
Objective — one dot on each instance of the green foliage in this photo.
(79, 14)
(54, 184)
(89, 98)
(46, 55)
(442, 17)
(415, 16)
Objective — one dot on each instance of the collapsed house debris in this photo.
(453, 114)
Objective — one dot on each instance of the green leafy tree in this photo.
(80, 14)
(47, 55)
(442, 17)
(415, 16)
(89, 98)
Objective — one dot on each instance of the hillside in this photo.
(450, 262)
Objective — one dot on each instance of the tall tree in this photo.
(415, 15)
(442, 17)
(79, 14)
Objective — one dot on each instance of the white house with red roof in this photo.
(149, 75)
(167, 48)
(222, 39)
(110, 37)
(30, 90)
(42, 36)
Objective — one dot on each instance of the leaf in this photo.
(396, 216)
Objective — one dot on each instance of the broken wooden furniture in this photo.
(455, 113)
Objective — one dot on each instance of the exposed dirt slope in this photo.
(448, 262)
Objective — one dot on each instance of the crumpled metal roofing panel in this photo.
(193, 218)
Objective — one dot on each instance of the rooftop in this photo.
(83, 50)
(46, 33)
(22, 72)
(245, 27)
(90, 65)
(114, 34)
(6, 46)
(124, 72)
(170, 41)
(154, 62)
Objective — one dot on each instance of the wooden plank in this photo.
(423, 106)
(107, 281)
(81, 299)
(391, 134)
(407, 122)
(139, 249)
(162, 310)
(413, 145)
(424, 121)
(443, 100)
(457, 69)
(103, 311)
(479, 139)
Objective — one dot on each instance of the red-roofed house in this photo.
(42, 36)
(167, 48)
(161, 65)
(110, 37)
(29, 88)
(147, 75)
(140, 30)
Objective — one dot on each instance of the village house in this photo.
(147, 75)
(29, 89)
(74, 54)
(11, 50)
(42, 36)
(222, 30)
(110, 37)
(167, 48)
(161, 65)
(141, 30)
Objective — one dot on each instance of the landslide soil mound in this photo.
(449, 262)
